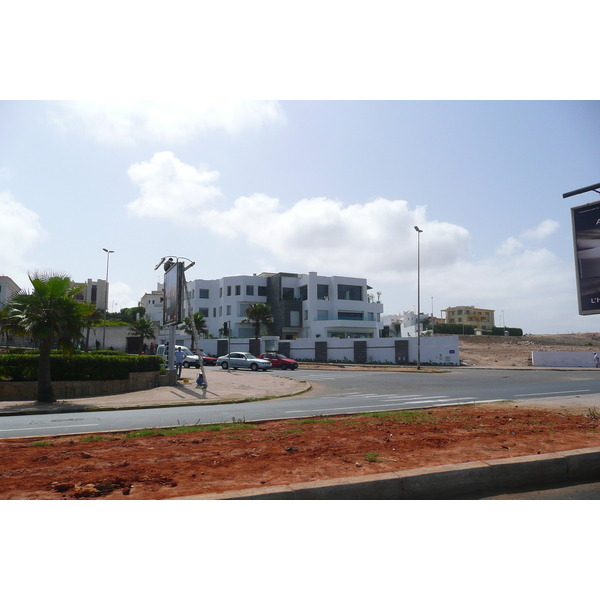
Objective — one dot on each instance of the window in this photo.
(349, 292)
(229, 290)
(202, 293)
(322, 291)
(203, 312)
(228, 309)
(303, 290)
(262, 290)
(249, 290)
(220, 311)
(287, 293)
(294, 318)
(238, 290)
(220, 292)
(344, 315)
(214, 312)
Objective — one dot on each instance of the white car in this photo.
(243, 360)
(190, 360)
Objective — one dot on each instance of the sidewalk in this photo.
(223, 387)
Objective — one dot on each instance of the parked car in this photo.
(209, 361)
(280, 361)
(190, 360)
(243, 360)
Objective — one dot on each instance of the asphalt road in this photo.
(334, 392)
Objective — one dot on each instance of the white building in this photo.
(153, 302)
(303, 305)
(7, 288)
(408, 323)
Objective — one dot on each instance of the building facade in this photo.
(482, 319)
(94, 292)
(7, 288)
(303, 305)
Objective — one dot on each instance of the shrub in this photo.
(78, 367)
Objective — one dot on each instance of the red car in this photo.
(209, 361)
(280, 361)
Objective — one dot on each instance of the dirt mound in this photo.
(157, 464)
(499, 351)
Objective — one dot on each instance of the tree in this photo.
(200, 323)
(258, 314)
(93, 320)
(49, 315)
(397, 328)
(143, 327)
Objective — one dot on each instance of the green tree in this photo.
(258, 314)
(93, 320)
(49, 315)
(200, 323)
(144, 328)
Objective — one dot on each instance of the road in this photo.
(334, 392)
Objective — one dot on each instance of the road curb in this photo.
(437, 483)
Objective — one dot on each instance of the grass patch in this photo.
(42, 443)
(92, 438)
(187, 429)
(404, 416)
(373, 457)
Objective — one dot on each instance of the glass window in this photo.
(287, 293)
(202, 293)
(322, 291)
(262, 290)
(203, 312)
(228, 309)
(303, 292)
(349, 292)
(344, 315)
(249, 290)
(229, 290)
(238, 290)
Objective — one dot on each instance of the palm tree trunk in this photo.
(45, 390)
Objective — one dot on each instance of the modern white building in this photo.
(7, 288)
(408, 323)
(303, 305)
(94, 292)
(153, 302)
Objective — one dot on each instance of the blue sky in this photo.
(331, 186)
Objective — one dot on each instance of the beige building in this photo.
(482, 319)
(94, 292)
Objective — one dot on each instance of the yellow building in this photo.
(482, 319)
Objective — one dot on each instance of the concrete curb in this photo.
(437, 483)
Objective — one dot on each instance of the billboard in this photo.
(586, 241)
(172, 309)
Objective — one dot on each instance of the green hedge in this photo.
(457, 329)
(516, 331)
(78, 367)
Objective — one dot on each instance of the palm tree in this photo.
(92, 321)
(199, 322)
(49, 315)
(143, 327)
(258, 314)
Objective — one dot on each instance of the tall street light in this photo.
(419, 232)
(108, 253)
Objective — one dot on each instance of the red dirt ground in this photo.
(237, 456)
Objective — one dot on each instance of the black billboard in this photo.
(172, 309)
(586, 241)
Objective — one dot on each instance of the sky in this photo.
(242, 187)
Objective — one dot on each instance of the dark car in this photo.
(280, 361)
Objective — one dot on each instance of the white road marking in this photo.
(43, 427)
(551, 393)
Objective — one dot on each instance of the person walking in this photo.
(596, 359)
(179, 356)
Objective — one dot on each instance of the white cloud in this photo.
(20, 230)
(542, 231)
(170, 189)
(168, 122)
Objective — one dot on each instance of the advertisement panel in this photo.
(172, 313)
(586, 241)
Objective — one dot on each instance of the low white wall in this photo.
(562, 359)
(437, 349)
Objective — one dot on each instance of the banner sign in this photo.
(586, 241)
(172, 313)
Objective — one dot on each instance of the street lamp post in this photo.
(108, 253)
(419, 232)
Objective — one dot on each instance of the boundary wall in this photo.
(541, 358)
(439, 350)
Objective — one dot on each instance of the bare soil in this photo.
(160, 464)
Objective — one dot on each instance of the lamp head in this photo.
(418, 230)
